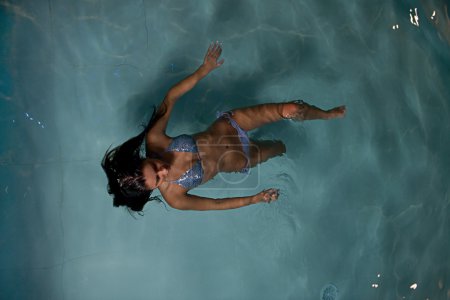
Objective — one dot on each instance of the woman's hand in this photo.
(267, 196)
(212, 55)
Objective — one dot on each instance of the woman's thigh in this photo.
(223, 146)
(262, 150)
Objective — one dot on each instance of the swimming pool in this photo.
(365, 199)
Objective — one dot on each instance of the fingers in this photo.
(211, 46)
(270, 195)
(215, 49)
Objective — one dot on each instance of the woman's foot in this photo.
(337, 112)
(300, 111)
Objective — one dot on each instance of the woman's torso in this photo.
(218, 150)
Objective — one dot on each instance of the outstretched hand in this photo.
(210, 61)
(267, 195)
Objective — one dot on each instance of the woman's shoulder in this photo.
(157, 142)
(171, 192)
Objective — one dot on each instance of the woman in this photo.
(176, 165)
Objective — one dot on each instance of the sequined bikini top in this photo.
(192, 177)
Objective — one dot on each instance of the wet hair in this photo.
(123, 167)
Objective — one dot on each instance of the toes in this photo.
(340, 109)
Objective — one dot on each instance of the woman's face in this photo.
(155, 172)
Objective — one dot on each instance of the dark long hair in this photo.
(123, 167)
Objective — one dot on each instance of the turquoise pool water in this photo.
(364, 210)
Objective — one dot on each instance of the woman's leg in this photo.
(262, 150)
(234, 160)
(253, 117)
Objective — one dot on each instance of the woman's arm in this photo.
(193, 202)
(210, 62)
(186, 84)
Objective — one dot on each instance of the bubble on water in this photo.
(433, 15)
(414, 18)
(329, 292)
(29, 117)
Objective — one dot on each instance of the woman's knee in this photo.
(291, 110)
(281, 147)
(264, 150)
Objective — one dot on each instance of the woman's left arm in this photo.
(192, 202)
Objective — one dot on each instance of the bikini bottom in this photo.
(243, 137)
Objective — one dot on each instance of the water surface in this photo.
(365, 199)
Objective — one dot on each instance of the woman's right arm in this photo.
(165, 108)
(193, 202)
(210, 62)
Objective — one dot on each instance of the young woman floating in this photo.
(174, 165)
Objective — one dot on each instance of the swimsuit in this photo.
(243, 137)
(186, 143)
(192, 177)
